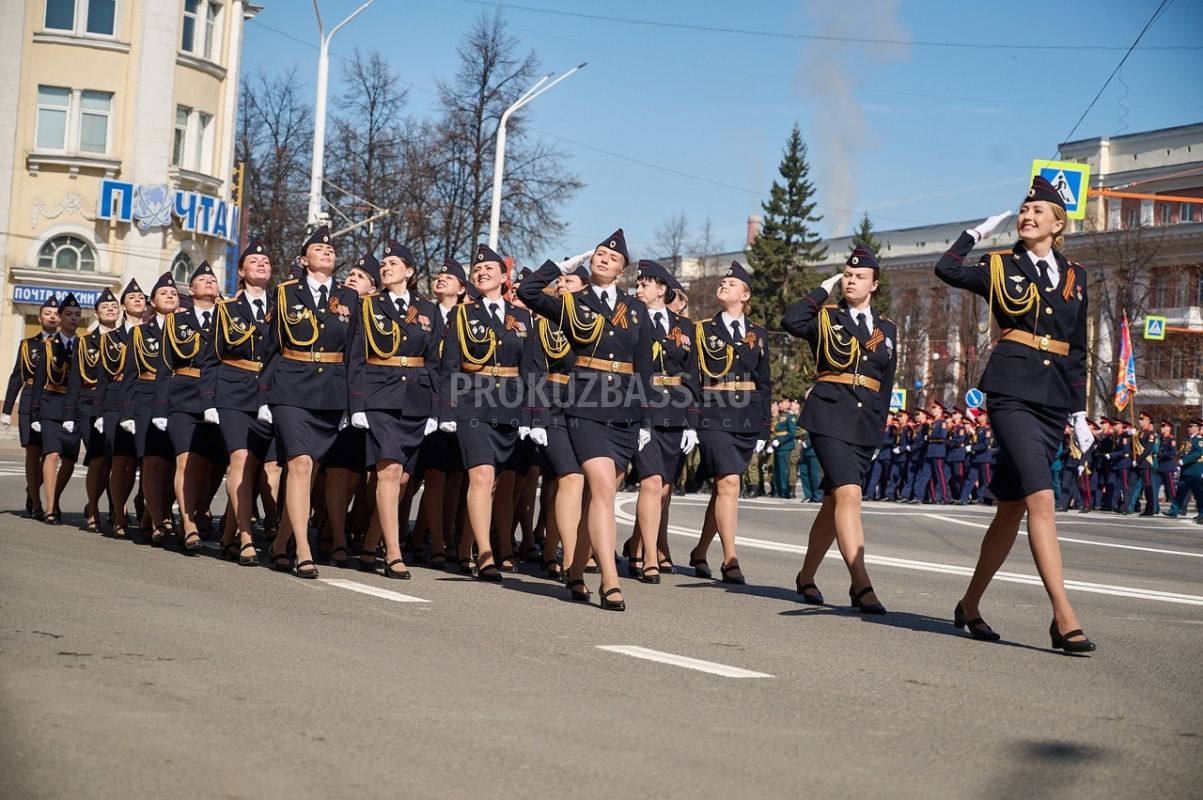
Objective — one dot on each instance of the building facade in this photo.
(116, 146)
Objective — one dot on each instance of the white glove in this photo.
(1082, 431)
(572, 262)
(99, 424)
(432, 425)
(6, 419)
(359, 420)
(987, 227)
(760, 445)
(127, 425)
(829, 284)
(523, 431)
(689, 440)
(897, 451)
(1081, 469)
(344, 422)
(645, 436)
(265, 414)
(160, 423)
(212, 417)
(69, 426)
(35, 426)
(539, 436)
(447, 427)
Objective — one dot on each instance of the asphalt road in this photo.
(128, 672)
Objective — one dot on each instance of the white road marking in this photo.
(682, 661)
(929, 566)
(1060, 538)
(363, 588)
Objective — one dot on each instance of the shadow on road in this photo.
(1040, 768)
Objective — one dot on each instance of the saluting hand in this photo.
(988, 226)
(829, 284)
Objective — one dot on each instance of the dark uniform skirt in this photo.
(150, 441)
(525, 456)
(393, 437)
(191, 434)
(350, 451)
(662, 455)
(1028, 437)
(305, 432)
(482, 443)
(94, 441)
(243, 430)
(440, 452)
(592, 439)
(29, 437)
(57, 440)
(558, 457)
(118, 442)
(725, 452)
(843, 463)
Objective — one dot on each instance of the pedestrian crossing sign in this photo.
(1070, 179)
(1155, 328)
(898, 399)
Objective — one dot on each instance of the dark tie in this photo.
(258, 310)
(1042, 270)
(206, 316)
(658, 319)
(861, 327)
(605, 300)
(322, 297)
(400, 301)
(735, 331)
(494, 312)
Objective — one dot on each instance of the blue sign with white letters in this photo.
(36, 295)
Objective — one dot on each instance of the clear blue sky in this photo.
(913, 133)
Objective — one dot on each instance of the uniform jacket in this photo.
(238, 341)
(785, 433)
(29, 353)
(114, 349)
(1167, 455)
(143, 362)
(853, 414)
(957, 436)
(937, 438)
(83, 382)
(381, 332)
(982, 451)
(1192, 457)
(1148, 455)
(49, 390)
(185, 342)
(1015, 369)
(302, 329)
(675, 354)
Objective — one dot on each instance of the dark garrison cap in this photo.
(368, 263)
(255, 248)
(862, 257)
(165, 281)
(203, 269)
(50, 302)
(394, 248)
(737, 270)
(454, 269)
(319, 236)
(1043, 190)
(131, 288)
(486, 253)
(69, 301)
(617, 242)
(105, 297)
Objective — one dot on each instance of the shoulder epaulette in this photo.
(227, 300)
(288, 282)
(831, 305)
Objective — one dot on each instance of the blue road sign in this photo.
(1071, 181)
(974, 398)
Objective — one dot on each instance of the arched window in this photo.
(181, 268)
(67, 252)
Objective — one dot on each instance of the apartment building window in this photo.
(67, 252)
(1167, 213)
(1133, 218)
(202, 20)
(191, 146)
(1186, 212)
(73, 120)
(82, 17)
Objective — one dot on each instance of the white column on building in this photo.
(154, 120)
(230, 110)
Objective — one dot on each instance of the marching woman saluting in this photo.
(733, 356)
(487, 351)
(611, 337)
(845, 412)
(392, 397)
(1035, 381)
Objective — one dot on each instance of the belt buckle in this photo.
(738, 385)
(860, 380)
(314, 357)
(614, 366)
(404, 361)
(493, 370)
(1044, 342)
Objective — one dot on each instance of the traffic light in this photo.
(239, 174)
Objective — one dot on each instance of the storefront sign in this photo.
(36, 295)
(153, 205)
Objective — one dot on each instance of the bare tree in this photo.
(704, 246)
(669, 239)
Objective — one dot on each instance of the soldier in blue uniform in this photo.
(120, 445)
(957, 452)
(231, 393)
(393, 392)
(488, 356)
(20, 382)
(936, 485)
(1144, 461)
(53, 416)
(144, 410)
(306, 383)
(1123, 463)
(611, 337)
(737, 394)
(918, 472)
(1034, 381)
(1167, 462)
(1192, 473)
(1105, 496)
(897, 483)
(855, 359)
(879, 475)
(83, 396)
(672, 410)
(981, 461)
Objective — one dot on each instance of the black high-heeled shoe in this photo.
(1063, 641)
(612, 605)
(157, 536)
(977, 626)
(341, 562)
(650, 575)
(876, 609)
(666, 566)
(52, 518)
(307, 574)
(727, 569)
(281, 562)
(634, 566)
(554, 571)
(815, 599)
(582, 596)
(229, 551)
(366, 561)
(400, 574)
(490, 573)
(192, 541)
(701, 568)
(248, 561)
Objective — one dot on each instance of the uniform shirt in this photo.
(315, 287)
(1051, 270)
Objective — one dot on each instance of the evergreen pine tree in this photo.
(864, 236)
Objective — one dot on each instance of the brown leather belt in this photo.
(1042, 343)
(55, 389)
(602, 365)
(666, 380)
(555, 377)
(312, 356)
(146, 376)
(244, 364)
(849, 379)
(491, 371)
(187, 372)
(731, 386)
(397, 361)
(29, 381)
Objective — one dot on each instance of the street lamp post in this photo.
(499, 160)
(319, 111)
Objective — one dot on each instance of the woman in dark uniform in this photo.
(488, 349)
(1034, 381)
(733, 356)
(306, 384)
(52, 414)
(83, 394)
(231, 392)
(144, 414)
(120, 445)
(612, 339)
(21, 382)
(672, 409)
(392, 393)
(855, 358)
